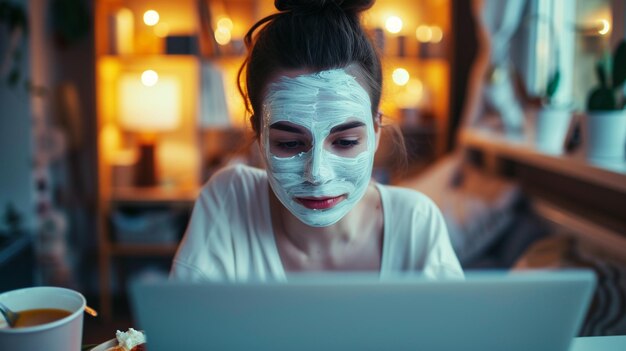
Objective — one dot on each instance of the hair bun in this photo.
(349, 6)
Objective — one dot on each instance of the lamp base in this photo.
(146, 169)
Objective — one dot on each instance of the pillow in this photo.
(476, 207)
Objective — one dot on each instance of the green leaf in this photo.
(601, 99)
(553, 84)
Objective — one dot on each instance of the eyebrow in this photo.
(346, 126)
(337, 129)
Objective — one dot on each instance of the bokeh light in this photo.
(424, 34)
(393, 24)
(436, 34)
(400, 76)
(151, 18)
(149, 78)
(222, 36)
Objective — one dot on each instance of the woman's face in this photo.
(318, 140)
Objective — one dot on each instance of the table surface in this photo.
(597, 343)
(600, 343)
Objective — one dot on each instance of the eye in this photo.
(289, 145)
(346, 143)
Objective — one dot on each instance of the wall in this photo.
(53, 59)
(16, 143)
(618, 7)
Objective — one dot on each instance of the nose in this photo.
(317, 169)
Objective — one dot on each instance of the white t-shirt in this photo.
(230, 235)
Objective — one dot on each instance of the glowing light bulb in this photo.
(222, 36)
(424, 34)
(393, 24)
(151, 18)
(400, 76)
(149, 78)
(226, 23)
(605, 27)
(436, 34)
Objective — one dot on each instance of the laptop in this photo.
(486, 311)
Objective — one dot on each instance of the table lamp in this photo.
(148, 105)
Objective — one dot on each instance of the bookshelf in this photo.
(584, 197)
(177, 47)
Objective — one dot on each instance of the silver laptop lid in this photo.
(486, 311)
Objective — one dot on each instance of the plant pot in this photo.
(551, 128)
(604, 134)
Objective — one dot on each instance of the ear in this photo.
(378, 127)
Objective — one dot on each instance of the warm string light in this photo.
(149, 78)
(437, 34)
(226, 23)
(415, 88)
(426, 34)
(223, 32)
(423, 34)
(410, 95)
(400, 76)
(151, 18)
(393, 24)
(605, 27)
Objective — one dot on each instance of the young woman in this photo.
(312, 84)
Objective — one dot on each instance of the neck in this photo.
(313, 241)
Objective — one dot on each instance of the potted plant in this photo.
(553, 118)
(604, 128)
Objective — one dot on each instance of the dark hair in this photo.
(308, 34)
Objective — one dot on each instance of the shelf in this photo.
(611, 175)
(153, 195)
(578, 226)
(581, 219)
(148, 57)
(144, 249)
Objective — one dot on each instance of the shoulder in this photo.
(225, 217)
(237, 173)
(411, 214)
(418, 233)
(234, 180)
(407, 200)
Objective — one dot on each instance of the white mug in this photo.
(64, 334)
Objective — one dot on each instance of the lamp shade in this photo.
(151, 107)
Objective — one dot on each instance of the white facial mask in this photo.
(318, 102)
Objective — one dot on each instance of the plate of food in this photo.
(105, 345)
(131, 340)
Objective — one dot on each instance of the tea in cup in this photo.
(51, 319)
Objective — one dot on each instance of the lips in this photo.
(320, 203)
